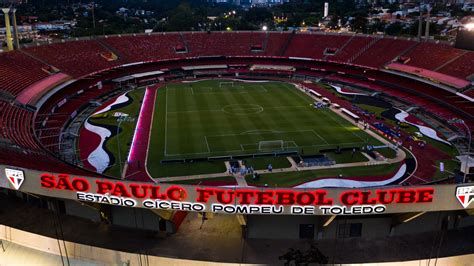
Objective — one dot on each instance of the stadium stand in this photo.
(275, 43)
(354, 46)
(84, 58)
(382, 52)
(469, 93)
(76, 58)
(462, 67)
(314, 45)
(409, 96)
(218, 43)
(426, 74)
(13, 66)
(431, 55)
(30, 94)
(258, 40)
(146, 47)
(16, 125)
(54, 115)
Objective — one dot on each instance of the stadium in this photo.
(258, 136)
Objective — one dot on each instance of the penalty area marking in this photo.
(242, 149)
(258, 131)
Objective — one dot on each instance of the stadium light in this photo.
(469, 26)
(265, 28)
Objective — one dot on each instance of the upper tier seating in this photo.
(355, 45)
(218, 43)
(382, 52)
(462, 67)
(146, 47)
(314, 45)
(276, 43)
(76, 58)
(257, 39)
(431, 56)
(18, 71)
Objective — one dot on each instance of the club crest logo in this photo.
(16, 177)
(465, 195)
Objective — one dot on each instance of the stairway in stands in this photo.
(367, 47)
(406, 51)
(110, 48)
(34, 57)
(185, 43)
(449, 61)
(342, 47)
(290, 38)
(265, 42)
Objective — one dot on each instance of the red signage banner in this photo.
(240, 200)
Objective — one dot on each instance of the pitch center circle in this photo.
(242, 109)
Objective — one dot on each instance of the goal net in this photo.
(226, 84)
(271, 145)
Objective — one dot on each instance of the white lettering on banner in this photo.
(174, 205)
(352, 210)
(247, 209)
(304, 210)
(232, 209)
(106, 199)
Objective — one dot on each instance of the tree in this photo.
(183, 18)
(376, 26)
(359, 24)
(394, 29)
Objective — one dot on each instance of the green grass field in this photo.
(204, 119)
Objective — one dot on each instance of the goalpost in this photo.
(271, 145)
(226, 83)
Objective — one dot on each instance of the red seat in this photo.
(18, 71)
(76, 58)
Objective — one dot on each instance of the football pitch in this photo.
(215, 118)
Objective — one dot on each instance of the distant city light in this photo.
(264, 28)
